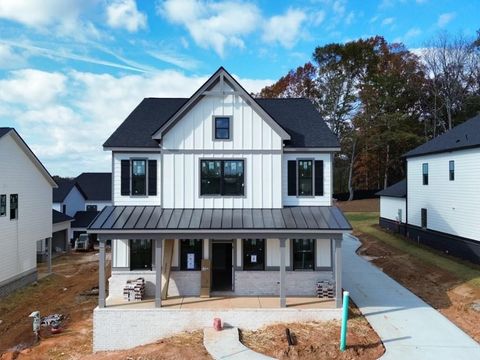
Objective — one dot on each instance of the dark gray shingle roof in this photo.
(84, 218)
(64, 187)
(117, 218)
(58, 217)
(398, 189)
(4, 130)
(96, 186)
(297, 116)
(466, 135)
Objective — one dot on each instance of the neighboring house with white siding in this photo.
(25, 210)
(393, 202)
(238, 184)
(442, 197)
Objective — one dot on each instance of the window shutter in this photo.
(125, 177)
(152, 177)
(318, 177)
(292, 178)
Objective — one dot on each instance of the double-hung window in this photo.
(222, 177)
(190, 254)
(305, 177)
(253, 254)
(138, 177)
(451, 170)
(3, 205)
(13, 206)
(425, 173)
(303, 250)
(221, 127)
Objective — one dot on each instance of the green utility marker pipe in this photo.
(343, 332)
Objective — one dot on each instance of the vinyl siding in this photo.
(74, 201)
(452, 206)
(389, 207)
(18, 237)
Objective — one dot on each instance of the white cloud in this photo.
(410, 34)
(317, 17)
(445, 18)
(284, 29)
(124, 14)
(213, 25)
(174, 58)
(10, 59)
(66, 117)
(388, 21)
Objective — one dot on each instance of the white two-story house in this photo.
(238, 184)
(439, 202)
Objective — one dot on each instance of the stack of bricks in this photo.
(134, 290)
(326, 289)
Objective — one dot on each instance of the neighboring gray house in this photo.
(440, 201)
(244, 184)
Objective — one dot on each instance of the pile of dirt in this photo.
(443, 290)
(317, 340)
(364, 205)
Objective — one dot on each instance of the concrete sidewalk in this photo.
(409, 327)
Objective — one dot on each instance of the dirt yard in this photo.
(71, 291)
(317, 340)
(368, 205)
(449, 285)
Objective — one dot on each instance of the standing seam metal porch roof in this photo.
(158, 219)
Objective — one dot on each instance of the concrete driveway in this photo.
(409, 327)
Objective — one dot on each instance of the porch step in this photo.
(225, 344)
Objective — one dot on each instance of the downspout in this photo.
(406, 199)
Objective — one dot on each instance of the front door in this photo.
(140, 254)
(222, 266)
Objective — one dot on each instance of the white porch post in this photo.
(158, 273)
(338, 272)
(101, 274)
(283, 285)
(49, 240)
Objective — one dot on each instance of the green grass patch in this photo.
(364, 222)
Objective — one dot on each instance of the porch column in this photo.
(158, 273)
(101, 274)
(338, 272)
(283, 285)
(49, 240)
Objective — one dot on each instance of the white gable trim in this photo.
(221, 75)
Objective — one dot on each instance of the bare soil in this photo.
(317, 340)
(365, 205)
(442, 289)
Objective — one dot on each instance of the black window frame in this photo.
(3, 205)
(134, 178)
(145, 255)
(425, 173)
(424, 218)
(216, 128)
(451, 170)
(89, 207)
(13, 206)
(300, 178)
(257, 249)
(295, 179)
(196, 249)
(222, 179)
(295, 250)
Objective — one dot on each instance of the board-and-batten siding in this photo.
(389, 207)
(18, 237)
(326, 199)
(452, 206)
(118, 198)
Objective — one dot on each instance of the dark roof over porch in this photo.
(120, 219)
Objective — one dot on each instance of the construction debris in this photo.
(134, 290)
(53, 320)
(326, 289)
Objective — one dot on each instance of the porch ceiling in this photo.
(158, 220)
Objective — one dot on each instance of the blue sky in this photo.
(71, 71)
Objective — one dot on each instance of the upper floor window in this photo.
(303, 250)
(190, 254)
(451, 170)
(222, 177)
(3, 205)
(305, 177)
(13, 206)
(253, 254)
(138, 177)
(221, 127)
(91, 207)
(425, 173)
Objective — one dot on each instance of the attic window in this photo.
(221, 127)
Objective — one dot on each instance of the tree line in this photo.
(382, 100)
